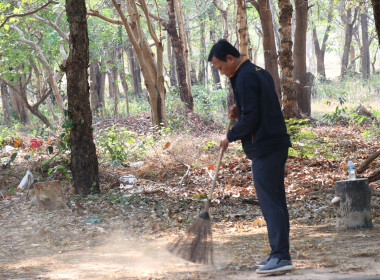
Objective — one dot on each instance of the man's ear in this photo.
(230, 58)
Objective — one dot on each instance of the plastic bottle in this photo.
(351, 170)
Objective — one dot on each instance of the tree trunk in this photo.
(172, 63)
(184, 42)
(376, 13)
(18, 103)
(192, 67)
(151, 65)
(5, 102)
(321, 50)
(95, 85)
(202, 66)
(241, 24)
(123, 77)
(299, 72)
(365, 45)
(289, 96)
(349, 22)
(214, 72)
(269, 43)
(184, 93)
(84, 161)
(134, 68)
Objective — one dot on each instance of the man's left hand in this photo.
(224, 144)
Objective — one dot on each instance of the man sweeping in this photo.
(262, 131)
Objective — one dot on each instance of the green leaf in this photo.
(13, 157)
(50, 149)
(6, 27)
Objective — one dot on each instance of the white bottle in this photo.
(351, 170)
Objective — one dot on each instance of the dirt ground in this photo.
(65, 244)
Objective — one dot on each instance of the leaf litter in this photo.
(144, 206)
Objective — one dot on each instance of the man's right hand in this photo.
(232, 112)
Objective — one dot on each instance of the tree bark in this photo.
(365, 44)
(320, 50)
(184, 93)
(376, 13)
(202, 66)
(241, 24)
(95, 85)
(214, 72)
(289, 96)
(134, 68)
(302, 87)
(151, 68)
(17, 102)
(349, 22)
(184, 42)
(84, 161)
(269, 43)
(5, 102)
(172, 63)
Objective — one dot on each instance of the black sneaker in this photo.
(263, 262)
(275, 266)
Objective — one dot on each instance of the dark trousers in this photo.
(268, 175)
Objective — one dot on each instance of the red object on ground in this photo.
(35, 143)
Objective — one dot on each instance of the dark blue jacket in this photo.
(260, 126)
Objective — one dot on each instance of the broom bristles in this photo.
(196, 244)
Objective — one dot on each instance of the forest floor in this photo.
(123, 232)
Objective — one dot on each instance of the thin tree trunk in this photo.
(184, 93)
(5, 102)
(84, 161)
(151, 65)
(202, 66)
(349, 22)
(376, 13)
(214, 72)
(289, 96)
(94, 85)
(299, 72)
(320, 50)
(269, 43)
(365, 45)
(134, 69)
(172, 63)
(123, 76)
(184, 42)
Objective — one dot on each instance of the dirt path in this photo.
(63, 249)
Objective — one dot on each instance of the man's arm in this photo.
(248, 94)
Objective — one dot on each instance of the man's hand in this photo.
(232, 112)
(224, 144)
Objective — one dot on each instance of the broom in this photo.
(196, 244)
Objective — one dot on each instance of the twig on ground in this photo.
(188, 167)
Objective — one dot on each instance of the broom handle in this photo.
(218, 164)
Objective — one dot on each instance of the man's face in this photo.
(225, 67)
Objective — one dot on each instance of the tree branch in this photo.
(363, 166)
(28, 13)
(97, 14)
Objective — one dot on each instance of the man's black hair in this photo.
(221, 49)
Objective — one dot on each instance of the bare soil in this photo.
(59, 244)
(123, 233)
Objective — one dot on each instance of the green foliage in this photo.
(117, 144)
(210, 103)
(304, 141)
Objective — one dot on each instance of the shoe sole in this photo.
(279, 270)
